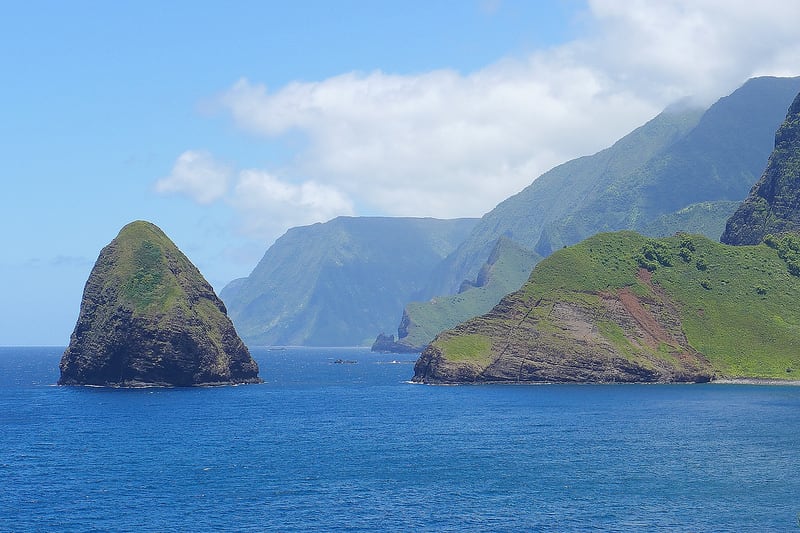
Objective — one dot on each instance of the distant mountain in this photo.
(621, 307)
(565, 188)
(773, 206)
(338, 283)
(719, 159)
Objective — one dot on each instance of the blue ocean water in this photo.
(325, 446)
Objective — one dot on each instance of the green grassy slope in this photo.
(154, 276)
(737, 305)
(141, 268)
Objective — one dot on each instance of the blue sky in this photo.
(228, 123)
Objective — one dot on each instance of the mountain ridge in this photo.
(337, 283)
(760, 102)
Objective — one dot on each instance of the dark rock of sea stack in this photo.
(149, 318)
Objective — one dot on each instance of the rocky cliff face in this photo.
(574, 340)
(148, 317)
(773, 206)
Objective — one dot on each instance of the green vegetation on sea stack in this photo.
(143, 271)
(624, 306)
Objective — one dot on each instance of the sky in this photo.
(227, 123)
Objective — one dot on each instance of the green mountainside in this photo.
(719, 159)
(148, 317)
(338, 283)
(773, 206)
(523, 217)
(627, 308)
(681, 157)
(685, 170)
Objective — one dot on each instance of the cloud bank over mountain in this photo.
(445, 143)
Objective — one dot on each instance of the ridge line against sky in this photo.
(228, 124)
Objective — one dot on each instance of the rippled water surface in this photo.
(325, 446)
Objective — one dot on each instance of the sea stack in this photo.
(149, 318)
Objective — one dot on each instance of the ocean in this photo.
(322, 446)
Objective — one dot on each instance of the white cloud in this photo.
(440, 143)
(198, 175)
(699, 47)
(269, 206)
(446, 144)
(266, 205)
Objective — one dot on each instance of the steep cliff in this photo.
(148, 317)
(773, 206)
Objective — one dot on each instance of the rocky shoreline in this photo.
(712, 381)
(756, 381)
